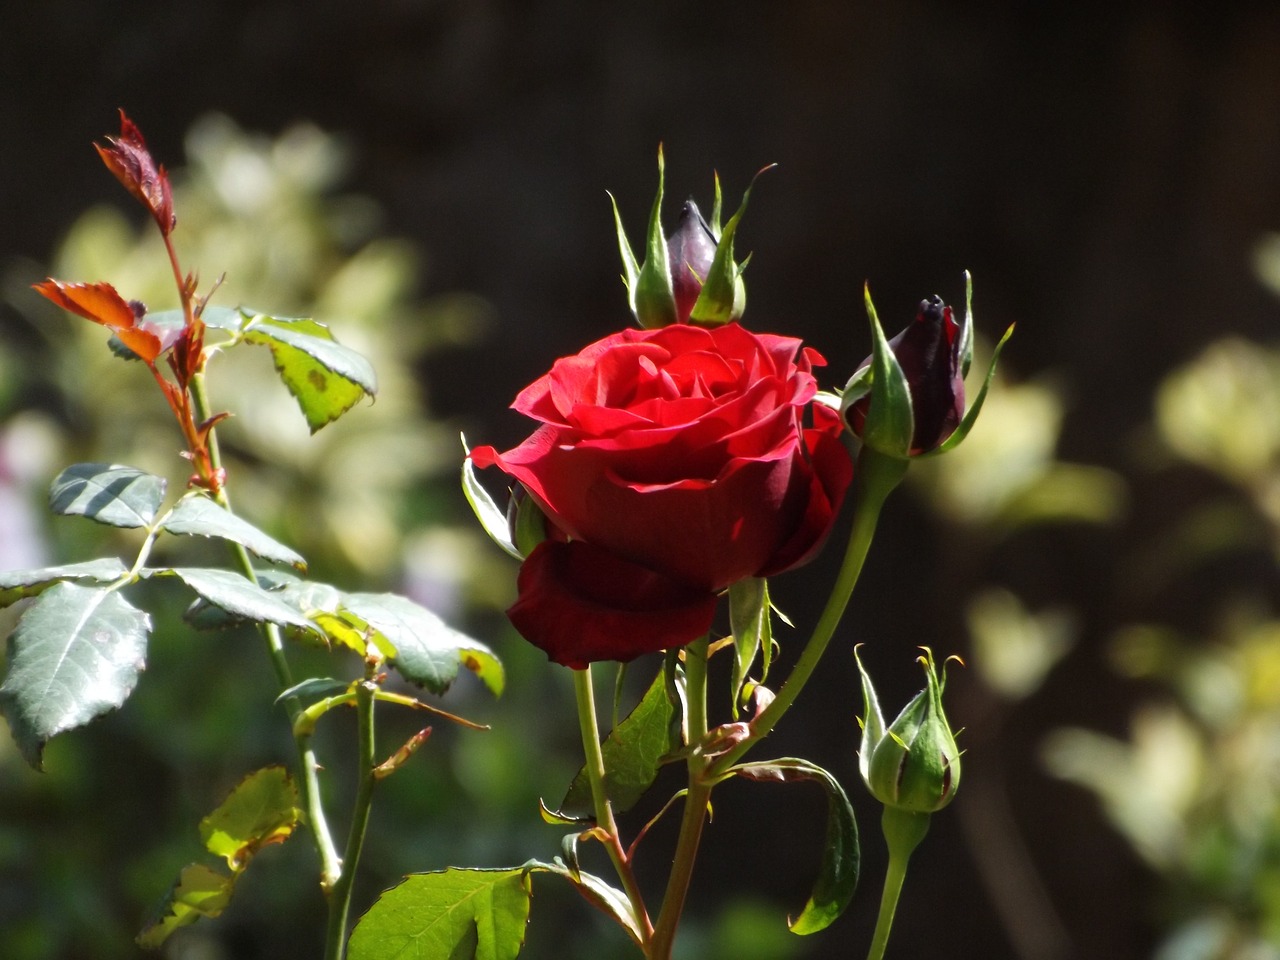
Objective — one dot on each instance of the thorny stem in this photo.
(330, 865)
(340, 897)
(589, 725)
(695, 804)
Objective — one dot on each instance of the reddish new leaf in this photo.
(100, 303)
(128, 158)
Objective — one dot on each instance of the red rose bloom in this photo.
(672, 463)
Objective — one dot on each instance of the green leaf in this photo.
(606, 898)
(107, 492)
(197, 515)
(326, 378)
(237, 595)
(752, 627)
(314, 689)
(17, 584)
(491, 518)
(220, 318)
(261, 810)
(75, 654)
(424, 649)
(200, 892)
(633, 754)
(838, 877)
(451, 914)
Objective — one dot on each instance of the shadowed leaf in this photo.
(838, 878)
(632, 754)
(109, 493)
(200, 892)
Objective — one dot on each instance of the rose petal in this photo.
(579, 604)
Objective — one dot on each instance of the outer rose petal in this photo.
(832, 474)
(579, 604)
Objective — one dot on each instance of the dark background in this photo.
(1103, 170)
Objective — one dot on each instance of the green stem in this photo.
(903, 831)
(330, 865)
(340, 896)
(695, 804)
(876, 478)
(594, 765)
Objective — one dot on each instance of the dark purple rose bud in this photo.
(691, 250)
(928, 351)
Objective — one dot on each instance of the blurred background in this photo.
(429, 178)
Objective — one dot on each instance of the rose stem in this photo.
(903, 831)
(330, 865)
(876, 478)
(340, 899)
(695, 804)
(594, 764)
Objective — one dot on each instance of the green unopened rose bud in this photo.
(690, 276)
(914, 763)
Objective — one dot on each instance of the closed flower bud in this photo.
(689, 276)
(690, 251)
(929, 354)
(914, 763)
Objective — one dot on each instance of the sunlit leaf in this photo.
(452, 914)
(424, 649)
(199, 892)
(493, 520)
(101, 303)
(261, 810)
(107, 492)
(16, 584)
(326, 378)
(75, 654)
(632, 751)
(237, 595)
(838, 877)
(197, 515)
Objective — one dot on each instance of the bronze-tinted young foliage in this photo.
(128, 158)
